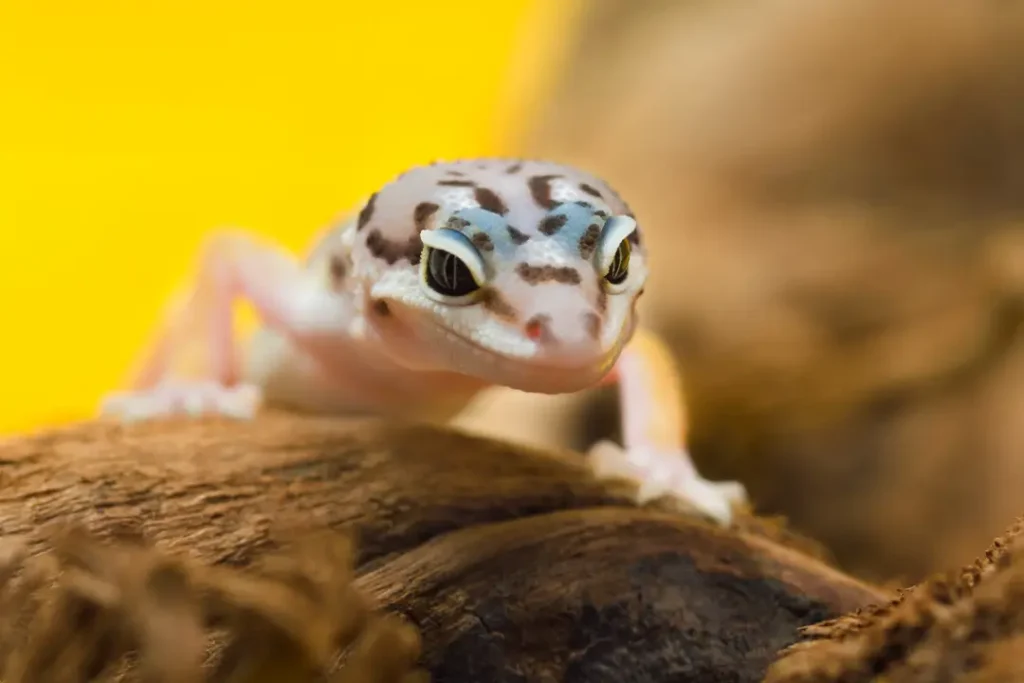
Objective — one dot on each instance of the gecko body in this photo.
(452, 278)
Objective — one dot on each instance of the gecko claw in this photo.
(193, 399)
(659, 474)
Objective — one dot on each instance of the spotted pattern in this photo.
(422, 213)
(575, 226)
(394, 251)
(552, 223)
(456, 223)
(490, 201)
(482, 242)
(535, 275)
(367, 212)
(338, 269)
(540, 190)
(589, 241)
(517, 236)
(493, 301)
(597, 212)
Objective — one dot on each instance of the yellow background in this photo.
(129, 129)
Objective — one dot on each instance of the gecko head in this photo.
(543, 308)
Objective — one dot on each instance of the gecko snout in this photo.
(576, 339)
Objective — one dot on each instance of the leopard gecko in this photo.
(452, 278)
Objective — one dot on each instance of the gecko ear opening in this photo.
(451, 269)
(613, 252)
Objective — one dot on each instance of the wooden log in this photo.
(512, 564)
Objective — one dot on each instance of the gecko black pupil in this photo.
(619, 270)
(448, 275)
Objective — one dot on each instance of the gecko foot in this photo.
(661, 473)
(184, 398)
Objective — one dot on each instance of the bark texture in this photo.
(963, 626)
(221, 551)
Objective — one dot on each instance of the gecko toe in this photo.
(659, 474)
(191, 399)
(715, 499)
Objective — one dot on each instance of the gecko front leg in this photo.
(193, 364)
(654, 454)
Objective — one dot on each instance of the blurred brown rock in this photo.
(226, 544)
(835, 192)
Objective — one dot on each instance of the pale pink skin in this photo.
(327, 345)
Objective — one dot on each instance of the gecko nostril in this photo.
(538, 328)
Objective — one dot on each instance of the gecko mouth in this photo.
(448, 350)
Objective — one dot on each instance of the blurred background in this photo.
(833, 193)
(131, 128)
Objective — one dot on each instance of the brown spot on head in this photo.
(540, 190)
(338, 269)
(367, 212)
(588, 242)
(590, 189)
(538, 328)
(517, 236)
(422, 212)
(592, 324)
(489, 201)
(602, 299)
(493, 301)
(456, 223)
(458, 174)
(456, 183)
(514, 168)
(482, 241)
(535, 275)
(393, 251)
(414, 250)
(549, 225)
(381, 308)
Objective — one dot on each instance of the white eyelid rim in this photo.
(458, 245)
(616, 229)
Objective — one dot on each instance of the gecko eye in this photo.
(451, 269)
(448, 275)
(614, 251)
(618, 271)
